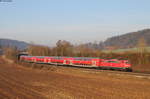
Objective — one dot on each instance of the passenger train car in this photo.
(113, 64)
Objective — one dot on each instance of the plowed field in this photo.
(20, 82)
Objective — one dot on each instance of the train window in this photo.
(77, 59)
(87, 59)
(84, 59)
(127, 62)
(112, 61)
(57, 58)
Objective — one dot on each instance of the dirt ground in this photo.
(21, 82)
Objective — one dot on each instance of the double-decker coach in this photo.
(113, 64)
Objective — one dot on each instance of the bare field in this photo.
(18, 82)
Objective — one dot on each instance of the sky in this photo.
(78, 21)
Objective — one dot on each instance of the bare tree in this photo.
(38, 50)
(64, 48)
(142, 51)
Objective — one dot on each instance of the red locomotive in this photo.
(113, 64)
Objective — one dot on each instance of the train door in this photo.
(71, 62)
(49, 60)
(45, 60)
(94, 63)
(65, 61)
(34, 60)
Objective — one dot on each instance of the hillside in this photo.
(13, 43)
(128, 40)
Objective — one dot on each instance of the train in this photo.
(91, 62)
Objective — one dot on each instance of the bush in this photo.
(11, 53)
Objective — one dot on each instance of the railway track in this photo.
(97, 70)
(136, 74)
(144, 75)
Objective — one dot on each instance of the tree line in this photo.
(139, 59)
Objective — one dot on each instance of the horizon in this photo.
(72, 42)
(46, 22)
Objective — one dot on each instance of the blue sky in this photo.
(78, 21)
